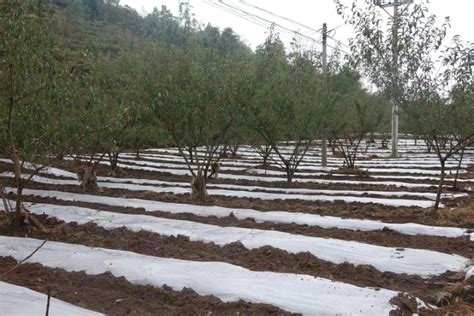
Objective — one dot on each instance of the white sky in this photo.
(311, 13)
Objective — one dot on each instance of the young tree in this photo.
(162, 26)
(111, 115)
(352, 112)
(395, 56)
(459, 68)
(448, 124)
(196, 95)
(196, 91)
(447, 120)
(285, 107)
(402, 62)
(34, 91)
(122, 107)
(352, 121)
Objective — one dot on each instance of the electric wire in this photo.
(264, 22)
(281, 17)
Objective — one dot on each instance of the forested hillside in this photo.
(108, 28)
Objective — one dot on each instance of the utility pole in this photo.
(324, 144)
(395, 4)
(395, 63)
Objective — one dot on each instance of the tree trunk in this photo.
(88, 178)
(3, 195)
(234, 150)
(114, 168)
(455, 185)
(19, 187)
(289, 174)
(223, 153)
(137, 152)
(18, 216)
(190, 151)
(428, 145)
(214, 169)
(266, 154)
(198, 186)
(440, 186)
(347, 159)
(113, 159)
(351, 163)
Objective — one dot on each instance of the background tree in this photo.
(285, 106)
(196, 95)
(352, 113)
(354, 120)
(402, 62)
(397, 54)
(111, 113)
(162, 26)
(121, 105)
(442, 109)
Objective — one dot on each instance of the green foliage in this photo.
(351, 112)
(162, 26)
(397, 57)
(286, 95)
(442, 109)
(91, 76)
(195, 94)
(286, 103)
(34, 85)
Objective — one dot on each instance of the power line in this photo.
(339, 49)
(221, 2)
(236, 13)
(254, 18)
(281, 17)
(338, 42)
(245, 14)
(335, 28)
(298, 23)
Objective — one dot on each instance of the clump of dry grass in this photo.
(464, 216)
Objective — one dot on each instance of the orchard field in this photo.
(257, 244)
(154, 165)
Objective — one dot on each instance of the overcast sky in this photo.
(311, 13)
